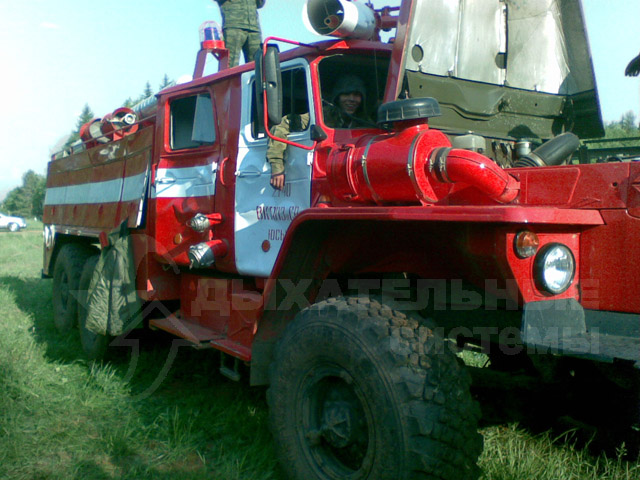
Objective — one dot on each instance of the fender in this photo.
(323, 242)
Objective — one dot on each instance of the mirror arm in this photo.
(285, 40)
(264, 96)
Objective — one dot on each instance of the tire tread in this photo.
(71, 260)
(431, 388)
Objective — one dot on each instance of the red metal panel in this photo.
(69, 171)
(633, 199)
(222, 305)
(440, 242)
(67, 164)
(470, 213)
(580, 186)
(522, 270)
(81, 178)
(172, 235)
(609, 255)
(140, 141)
(153, 280)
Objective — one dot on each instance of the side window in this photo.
(295, 98)
(192, 122)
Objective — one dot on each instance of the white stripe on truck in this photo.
(170, 183)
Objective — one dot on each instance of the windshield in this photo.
(352, 88)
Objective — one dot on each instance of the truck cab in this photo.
(233, 162)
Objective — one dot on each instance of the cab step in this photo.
(191, 331)
(200, 336)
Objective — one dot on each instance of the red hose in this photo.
(464, 166)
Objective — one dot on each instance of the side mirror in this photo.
(269, 78)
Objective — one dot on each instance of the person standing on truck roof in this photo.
(347, 110)
(241, 28)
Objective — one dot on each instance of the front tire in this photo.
(13, 227)
(66, 275)
(93, 344)
(359, 391)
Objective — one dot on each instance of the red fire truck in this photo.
(454, 219)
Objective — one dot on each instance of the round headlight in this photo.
(554, 268)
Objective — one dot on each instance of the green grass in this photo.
(512, 454)
(62, 417)
(33, 225)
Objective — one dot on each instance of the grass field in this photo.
(62, 417)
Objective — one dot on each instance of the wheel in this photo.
(93, 344)
(13, 227)
(66, 275)
(359, 391)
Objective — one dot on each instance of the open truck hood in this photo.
(500, 68)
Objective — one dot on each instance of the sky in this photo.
(58, 56)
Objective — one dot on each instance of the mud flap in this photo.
(563, 327)
(113, 305)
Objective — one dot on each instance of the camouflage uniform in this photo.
(332, 115)
(333, 118)
(276, 150)
(241, 28)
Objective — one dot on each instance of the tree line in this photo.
(626, 127)
(28, 199)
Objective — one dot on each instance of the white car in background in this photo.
(13, 224)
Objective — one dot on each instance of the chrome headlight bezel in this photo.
(547, 261)
(49, 232)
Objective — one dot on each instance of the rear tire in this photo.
(93, 344)
(359, 391)
(66, 275)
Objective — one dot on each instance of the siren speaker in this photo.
(339, 18)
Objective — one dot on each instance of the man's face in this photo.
(349, 102)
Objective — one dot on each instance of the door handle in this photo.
(249, 173)
(165, 180)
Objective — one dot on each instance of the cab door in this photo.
(263, 214)
(184, 178)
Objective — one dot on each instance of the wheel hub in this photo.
(335, 422)
(338, 422)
